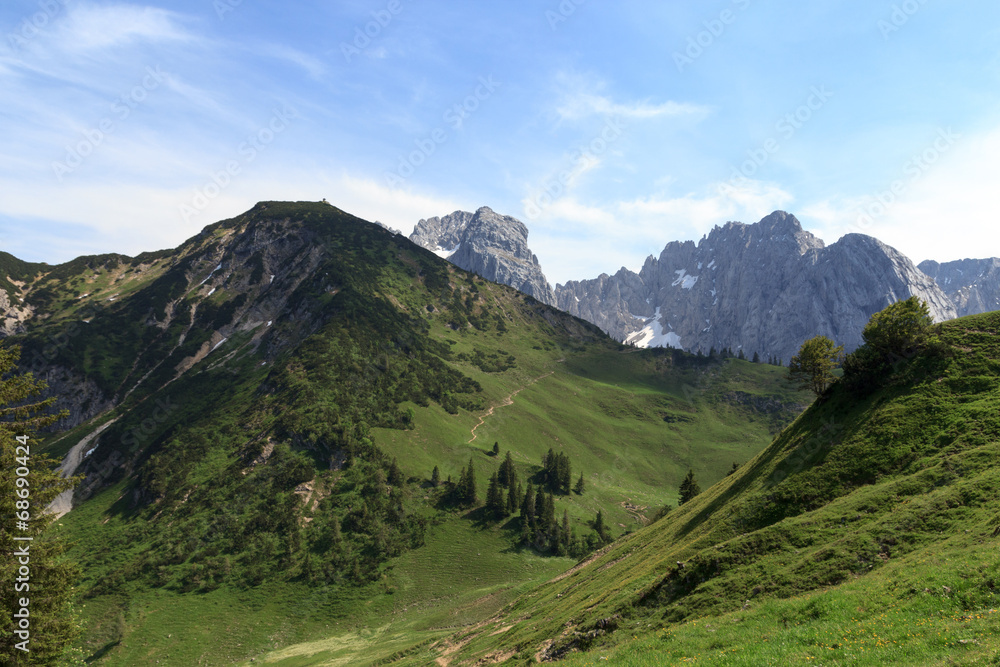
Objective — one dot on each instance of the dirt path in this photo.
(635, 511)
(64, 501)
(507, 401)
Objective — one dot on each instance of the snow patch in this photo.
(711, 264)
(272, 279)
(445, 253)
(269, 322)
(210, 275)
(91, 451)
(684, 280)
(218, 344)
(652, 335)
(212, 292)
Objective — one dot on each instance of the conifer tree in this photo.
(600, 528)
(512, 503)
(548, 519)
(52, 625)
(395, 476)
(528, 505)
(496, 449)
(466, 491)
(506, 473)
(563, 474)
(564, 534)
(496, 506)
(689, 488)
(436, 477)
(756, 358)
(579, 486)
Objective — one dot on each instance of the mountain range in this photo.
(758, 288)
(286, 428)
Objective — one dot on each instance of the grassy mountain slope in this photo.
(263, 376)
(867, 533)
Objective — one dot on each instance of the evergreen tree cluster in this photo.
(557, 472)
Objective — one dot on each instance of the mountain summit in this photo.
(492, 245)
(762, 287)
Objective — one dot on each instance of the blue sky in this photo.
(608, 128)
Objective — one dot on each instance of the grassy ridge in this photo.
(865, 516)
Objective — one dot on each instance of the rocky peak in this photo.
(763, 287)
(441, 235)
(485, 242)
(973, 285)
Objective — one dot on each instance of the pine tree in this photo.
(528, 505)
(579, 486)
(689, 488)
(736, 466)
(506, 472)
(465, 492)
(53, 627)
(564, 533)
(528, 516)
(395, 476)
(512, 503)
(756, 358)
(548, 519)
(496, 507)
(436, 477)
(601, 529)
(564, 475)
(496, 449)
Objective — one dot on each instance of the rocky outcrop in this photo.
(442, 236)
(973, 285)
(764, 287)
(492, 245)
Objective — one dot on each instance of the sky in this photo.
(610, 129)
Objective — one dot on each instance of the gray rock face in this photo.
(492, 245)
(442, 235)
(764, 288)
(973, 285)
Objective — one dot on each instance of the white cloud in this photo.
(584, 105)
(581, 96)
(88, 28)
(948, 212)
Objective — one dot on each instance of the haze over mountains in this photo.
(761, 288)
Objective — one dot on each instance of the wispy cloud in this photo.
(89, 28)
(584, 105)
